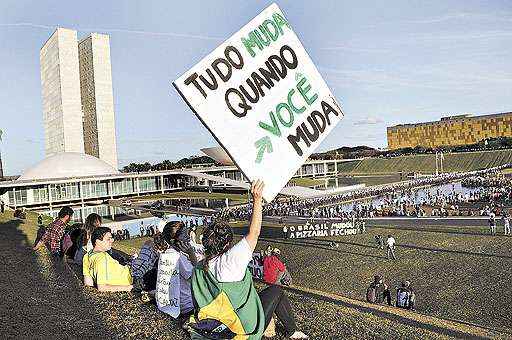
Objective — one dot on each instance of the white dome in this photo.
(218, 154)
(68, 164)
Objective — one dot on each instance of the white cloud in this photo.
(369, 121)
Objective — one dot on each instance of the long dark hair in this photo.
(217, 239)
(90, 222)
(90, 226)
(173, 232)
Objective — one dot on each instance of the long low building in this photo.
(450, 131)
(81, 180)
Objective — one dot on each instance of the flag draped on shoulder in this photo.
(226, 309)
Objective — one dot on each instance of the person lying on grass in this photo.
(100, 269)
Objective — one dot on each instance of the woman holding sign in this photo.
(226, 301)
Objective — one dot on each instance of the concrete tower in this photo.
(97, 98)
(60, 82)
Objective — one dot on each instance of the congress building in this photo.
(450, 131)
(78, 101)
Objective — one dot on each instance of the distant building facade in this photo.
(78, 105)
(60, 82)
(450, 131)
(97, 98)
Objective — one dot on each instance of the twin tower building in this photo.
(78, 103)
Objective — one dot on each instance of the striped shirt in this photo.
(53, 235)
(145, 261)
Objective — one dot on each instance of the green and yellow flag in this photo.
(234, 304)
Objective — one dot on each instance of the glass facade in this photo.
(40, 195)
(94, 189)
(147, 184)
(307, 169)
(319, 168)
(43, 194)
(18, 197)
(64, 191)
(122, 187)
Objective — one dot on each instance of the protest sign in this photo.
(324, 229)
(167, 293)
(262, 98)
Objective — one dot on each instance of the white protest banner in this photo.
(263, 100)
(324, 229)
(167, 293)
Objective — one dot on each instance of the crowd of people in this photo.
(195, 279)
(206, 283)
(396, 199)
(147, 230)
(121, 234)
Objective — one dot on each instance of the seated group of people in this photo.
(209, 284)
(378, 292)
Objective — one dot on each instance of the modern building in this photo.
(450, 131)
(97, 98)
(87, 182)
(60, 82)
(78, 105)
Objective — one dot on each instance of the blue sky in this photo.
(387, 62)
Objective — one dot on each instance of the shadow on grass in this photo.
(388, 315)
(461, 252)
(40, 297)
(439, 231)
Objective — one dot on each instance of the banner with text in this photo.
(324, 229)
(262, 98)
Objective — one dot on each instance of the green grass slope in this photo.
(455, 275)
(465, 161)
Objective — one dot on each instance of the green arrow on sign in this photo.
(263, 144)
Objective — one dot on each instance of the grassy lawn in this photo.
(458, 276)
(306, 182)
(235, 198)
(131, 246)
(322, 316)
(464, 161)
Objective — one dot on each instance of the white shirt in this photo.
(231, 266)
(390, 242)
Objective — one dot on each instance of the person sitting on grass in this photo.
(100, 269)
(378, 291)
(53, 235)
(178, 258)
(144, 266)
(227, 304)
(405, 297)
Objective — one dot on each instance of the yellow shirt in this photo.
(104, 270)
